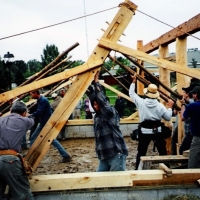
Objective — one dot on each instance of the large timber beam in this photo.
(150, 59)
(116, 91)
(79, 86)
(130, 179)
(50, 80)
(190, 27)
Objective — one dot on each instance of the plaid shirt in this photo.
(108, 137)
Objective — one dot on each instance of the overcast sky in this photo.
(25, 15)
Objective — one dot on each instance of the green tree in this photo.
(34, 66)
(49, 54)
(18, 71)
(4, 76)
(77, 63)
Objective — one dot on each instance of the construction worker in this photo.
(43, 113)
(151, 111)
(12, 129)
(110, 145)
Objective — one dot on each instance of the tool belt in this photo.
(8, 152)
(150, 124)
(25, 164)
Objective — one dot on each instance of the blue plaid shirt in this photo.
(108, 137)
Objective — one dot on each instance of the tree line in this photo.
(18, 71)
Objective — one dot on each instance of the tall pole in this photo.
(8, 56)
(86, 28)
(9, 69)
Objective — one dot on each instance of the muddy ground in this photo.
(83, 157)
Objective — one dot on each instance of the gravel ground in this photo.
(83, 157)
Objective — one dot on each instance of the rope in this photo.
(37, 29)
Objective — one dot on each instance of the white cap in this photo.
(54, 95)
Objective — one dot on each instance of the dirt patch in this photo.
(83, 157)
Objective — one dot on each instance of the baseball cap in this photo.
(187, 89)
(196, 90)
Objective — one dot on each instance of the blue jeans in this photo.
(114, 163)
(12, 174)
(36, 133)
(55, 142)
(24, 144)
(60, 148)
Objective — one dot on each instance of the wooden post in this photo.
(164, 77)
(140, 86)
(182, 80)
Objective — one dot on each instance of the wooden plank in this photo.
(164, 77)
(182, 81)
(150, 59)
(115, 91)
(133, 116)
(186, 153)
(165, 169)
(50, 80)
(129, 120)
(90, 180)
(63, 182)
(179, 177)
(140, 86)
(191, 26)
(70, 81)
(163, 158)
(146, 161)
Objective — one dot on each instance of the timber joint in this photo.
(129, 5)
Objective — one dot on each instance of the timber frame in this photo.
(85, 74)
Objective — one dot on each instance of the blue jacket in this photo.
(43, 111)
(192, 111)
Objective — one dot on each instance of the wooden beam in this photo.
(70, 81)
(186, 153)
(191, 26)
(130, 179)
(49, 80)
(115, 91)
(56, 60)
(182, 80)
(128, 120)
(163, 158)
(150, 59)
(164, 77)
(146, 161)
(140, 86)
(165, 169)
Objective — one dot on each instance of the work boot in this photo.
(66, 159)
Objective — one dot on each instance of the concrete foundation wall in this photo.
(86, 131)
(117, 194)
